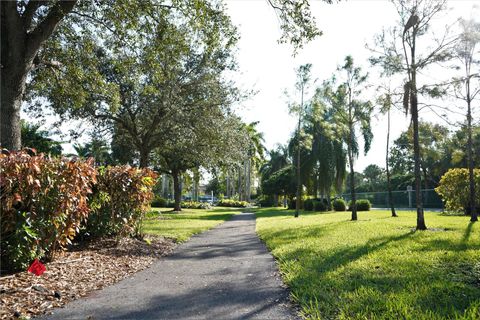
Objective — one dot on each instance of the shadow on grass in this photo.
(366, 290)
(282, 212)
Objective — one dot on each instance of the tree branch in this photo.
(46, 27)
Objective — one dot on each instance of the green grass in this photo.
(377, 267)
(182, 225)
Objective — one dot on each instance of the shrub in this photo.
(321, 205)
(159, 202)
(339, 205)
(265, 201)
(454, 189)
(43, 202)
(361, 204)
(232, 203)
(122, 196)
(309, 204)
(195, 205)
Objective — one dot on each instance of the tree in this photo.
(278, 159)
(173, 68)
(303, 79)
(415, 19)
(24, 28)
(467, 89)
(325, 158)
(27, 25)
(96, 148)
(33, 137)
(256, 154)
(211, 139)
(351, 114)
(386, 104)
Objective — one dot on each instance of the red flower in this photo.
(37, 268)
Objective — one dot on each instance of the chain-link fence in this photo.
(401, 199)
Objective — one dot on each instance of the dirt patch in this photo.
(77, 272)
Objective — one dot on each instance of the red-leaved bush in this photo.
(43, 202)
(121, 199)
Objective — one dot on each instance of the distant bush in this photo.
(321, 205)
(122, 196)
(309, 204)
(195, 205)
(361, 204)
(265, 201)
(43, 202)
(339, 205)
(159, 202)
(454, 189)
(232, 203)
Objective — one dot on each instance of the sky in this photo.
(268, 67)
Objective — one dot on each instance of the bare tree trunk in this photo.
(416, 156)
(387, 167)
(352, 185)
(249, 180)
(471, 177)
(177, 190)
(144, 158)
(227, 184)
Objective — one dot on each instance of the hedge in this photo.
(121, 199)
(46, 202)
(43, 203)
(232, 203)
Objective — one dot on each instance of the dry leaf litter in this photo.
(75, 273)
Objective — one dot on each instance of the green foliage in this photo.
(43, 202)
(454, 189)
(361, 204)
(266, 201)
(121, 198)
(321, 205)
(316, 205)
(339, 205)
(195, 205)
(377, 268)
(232, 203)
(308, 204)
(33, 137)
(159, 202)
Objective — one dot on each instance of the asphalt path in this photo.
(224, 273)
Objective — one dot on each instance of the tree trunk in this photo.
(11, 101)
(416, 156)
(228, 185)
(275, 200)
(471, 178)
(144, 158)
(177, 190)
(19, 47)
(387, 167)
(299, 181)
(352, 185)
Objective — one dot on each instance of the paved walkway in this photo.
(224, 273)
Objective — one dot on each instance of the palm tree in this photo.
(96, 148)
(278, 160)
(350, 115)
(256, 155)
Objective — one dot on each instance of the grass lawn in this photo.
(181, 226)
(377, 267)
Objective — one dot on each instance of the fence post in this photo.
(409, 189)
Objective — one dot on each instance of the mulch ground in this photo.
(77, 272)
